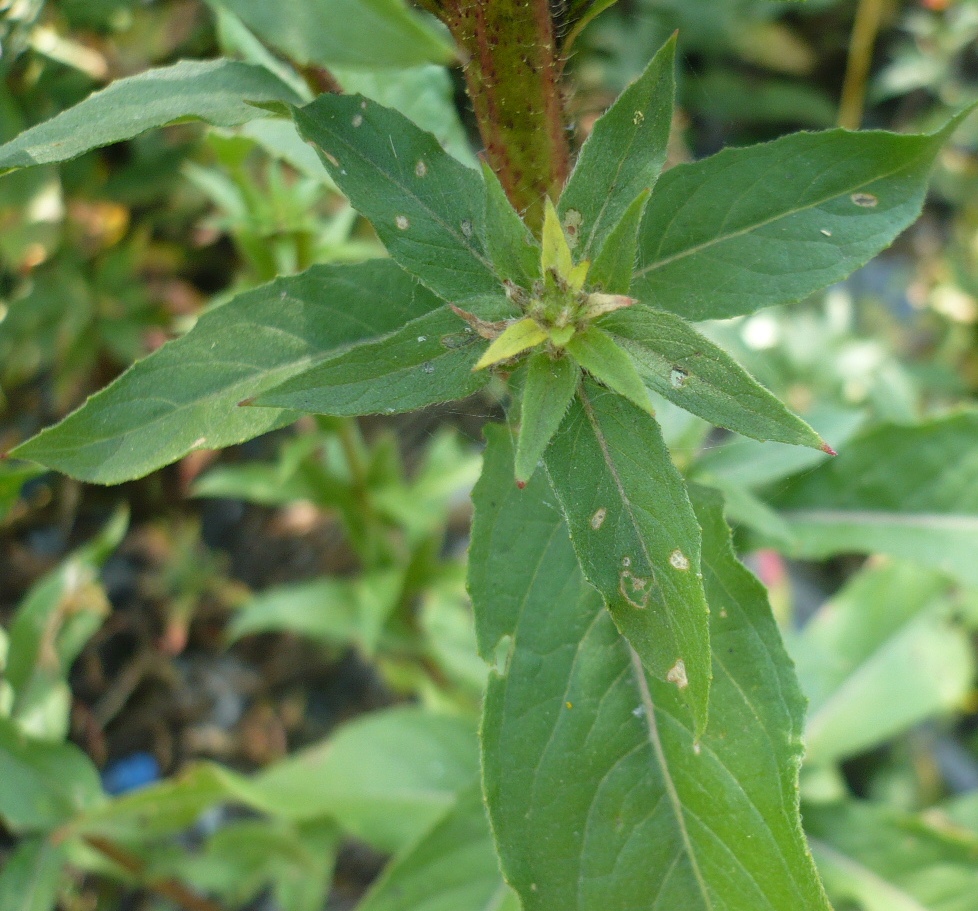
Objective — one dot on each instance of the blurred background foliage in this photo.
(213, 637)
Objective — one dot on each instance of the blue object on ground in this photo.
(130, 773)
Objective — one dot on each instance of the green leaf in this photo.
(547, 393)
(184, 396)
(31, 876)
(168, 807)
(427, 208)
(722, 237)
(405, 371)
(613, 266)
(636, 536)
(886, 860)
(599, 354)
(600, 797)
(623, 155)
(514, 340)
(368, 34)
(215, 91)
(453, 867)
(44, 784)
(908, 491)
(674, 360)
(12, 480)
(385, 777)
(884, 654)
(512, 248)
(340, 611)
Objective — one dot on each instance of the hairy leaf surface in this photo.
(215, 91)
(184, 396)
(771, 224)
(600, 796)
(636, 535)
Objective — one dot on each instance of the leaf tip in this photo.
(828, 449)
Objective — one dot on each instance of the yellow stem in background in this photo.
(869, 17)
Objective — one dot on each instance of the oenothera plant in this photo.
(641, 729)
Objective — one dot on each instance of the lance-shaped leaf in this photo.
(215, 91)
(613, 266)
(514, 340)
(772, 223)
(636, 536)
(674, 360)
(427, 208)
(907, 491)
(882, 655)
(882, 859)
(512, 248)
(184, 396)
(453, 867)
(409, 369)
(598, 353)
(623, 155)
(600, 797)
(549, 388)
(371, 34)
(32, 874)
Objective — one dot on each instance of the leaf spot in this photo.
(635, 590)
(677, 674)
(466, 227)
(638, 118)
(363, 105)
(597, 520)
(422, 338)
(569, 705)
(866, 200)
(826, 232)
(428, 367)
(723, 613)
(198, 443)
(678, 377)
(332, 159)
(402, 222)
(697, 749)
(573, 221)
(679, 560)
(638, 711)
(358, 120)
(420, 169)
(626, 562)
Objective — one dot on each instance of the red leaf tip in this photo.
(828, 449)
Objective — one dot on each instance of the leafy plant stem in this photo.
(351, 442)
(869, 16)
(166, 888)
(512, 68)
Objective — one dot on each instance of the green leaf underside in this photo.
(598, 797)
(362, 34)
(31, 876)
(409, 369)
(549, 388)
(453, 867)
(908, 491)
(613, 267)
(427, 208)
(886, 860)
(773, 223)
(597, 352)
(636, 536)
(512, 248)
(184, 396)
(623, 154)
(386, 778)
(881, 656)
(215, 91)
(689, 370)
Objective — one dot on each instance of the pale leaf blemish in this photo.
(866, 200)
(573, 221)
(679, 560)
(678, 377)
(826, 232)
(363, 105)
(466, 227)
(638, 711)
(332, 159)
(428, 367)
(198, 443)
(358, 120)
(677, 674)
(697, 749)
(597, 520)
(569, 705)
(422, 338)
(639, 118)
(626, 562)
(420, 169)
(635, 590)
(402, 222)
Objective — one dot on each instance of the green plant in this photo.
(642, 725)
